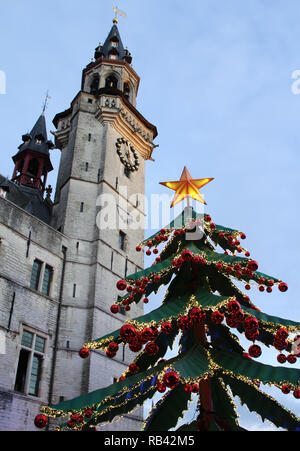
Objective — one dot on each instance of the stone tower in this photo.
(104, 142)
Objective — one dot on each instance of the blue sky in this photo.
(216, 80)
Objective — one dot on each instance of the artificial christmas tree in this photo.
(204, 306)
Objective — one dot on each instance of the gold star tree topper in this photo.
(187, 187)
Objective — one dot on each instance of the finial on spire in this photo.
(118, 11)
(45, 105)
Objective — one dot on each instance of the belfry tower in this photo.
(104, 142)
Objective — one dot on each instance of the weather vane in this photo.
(118, 11)
(45, 105)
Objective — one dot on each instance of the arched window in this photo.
(33, 167)
(95, 85)
(126, 90)
(111, 82)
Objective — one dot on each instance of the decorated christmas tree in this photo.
(205, 309)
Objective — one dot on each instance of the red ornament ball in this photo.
(281, 358)
(197, 315)
(151, 348)
(188, 388)
(243, 236)
(134, 368)
(114, 309)
(261, 289)
(283, 287)
(285, 389)
(155, 251)
(255, 351)
(233, 306)
(122, 285)
(148, 252)
(146, 301)
(251, 323)
(184, 323)
(157, 279)
(161, 387)
(217, 317)
(166, 328)
(297, 394)
(248, 287)
(113, 347)
(40, 421)
(252, 265)
(195, 388)
(128, 333)
(135, 346)
(84, 353)
(88, 413)
(171, 379)
(269, 290)
(292, 359)
(139, 249)
(282, 333)
(187, 255)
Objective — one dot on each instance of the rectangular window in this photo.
(89, 137)
(117, 183)
(81, 207)
(127, 172)
(30, 363)
(99, 175)
(35, 274)
(74, 290)
(122, 240)
(48, 274)
(90, 100)
(86, 167)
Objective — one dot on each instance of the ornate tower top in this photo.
(113, 48)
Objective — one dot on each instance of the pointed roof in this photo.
(37, 140)
(112, 45)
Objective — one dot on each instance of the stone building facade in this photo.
(59, 264)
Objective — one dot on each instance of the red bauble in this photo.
(188, 388)
(232, 322)
(217, 317)
(233, 306)
(161, 387)
(243, 236)
(138, 249)
(184, 323)
(238, 316)
(280, 345)
(283, 287)
(269, 290)
(156, 279)
(197, 315)
(148, 252)
(74, 418)
(84, 353)
(252, 265)
(128, 333)
(285, 389)
(129, 289)
(135, 346)
(110, 355)
(151, 348)
(70, 424)
(166, 328)
(146, 301)
(208, 218)
(115, 309)
(219, 266)
(195, 388)
(171, 379)
(247, 254)
(155, 251)
(297, 394)
(127, 308)
(146, 335)
(134, 368)
(113, 347)
(88, 413)
(229, 269)
(251, 335)
(292, 359)
(187, 255)
(248, 287)
(40, 421)
(282, 333)
(281, 358)
(158, 259)
(261, 289)
(255, 351)
(251, 323)
(122, 285)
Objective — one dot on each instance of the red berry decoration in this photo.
(247, 254)
(243, 236)
(122, 285)
(139, 249)
(248, 287)
(146, 335)
(40, 421)
(197, 315)
(195, 388)
(110, 355)
(127, 308)
(74, 418)
(113, 347)
(281, 358)
(115, 309)
(219, 266)
(251, 323)
(238, 316)
(166, 328)
(255, 351)
(233, 306)
(161, 387)
(151, 348)
(188, 388)
(88, 413)
(84, 353)
(70, 424)
(184, 323)
(217, 317)
(157, 279)
(135, 346)
(155, 251)
(285, 389)
(128, 333)
(280, 345)
(282, 333)
(283, 287)
(187, 255)
(292, 359)
(251, 335)
(261, 289)
(232, 322)
(171, 379)
(146, 301)
(297, 394)
(269, 290)
(148, 252)
(134, 368)
(270, 283)
(252, 265)
(208, 218)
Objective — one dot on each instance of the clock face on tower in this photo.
(128, 155)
